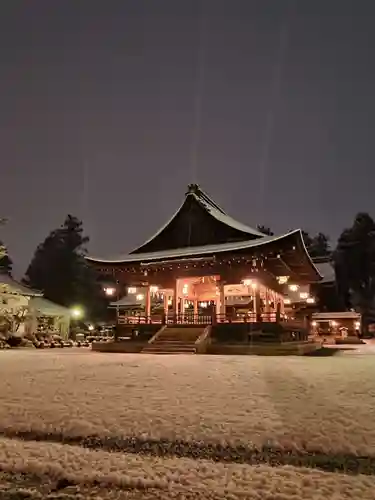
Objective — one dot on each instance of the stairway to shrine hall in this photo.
(175, 340)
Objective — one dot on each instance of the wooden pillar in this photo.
(254, 298)
(184, 307)
(217, 307)
(222, 300)
(165, 304)
(278, 311)
(195, 305)
(282, 304)
(148, 303)
(267, 300)
(273, 299)
(267, 308)
(257, 305)
(175, 299)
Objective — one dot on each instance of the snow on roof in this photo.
(190, 251)
(212, 208)
(326, 316)
(48, 308)
(7, 282)
(327, 271)
(219, 214)
(129, 301)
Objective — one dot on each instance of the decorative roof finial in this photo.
(192, 189)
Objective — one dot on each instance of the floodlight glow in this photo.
(77, 312)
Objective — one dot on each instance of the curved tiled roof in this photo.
(198, 221)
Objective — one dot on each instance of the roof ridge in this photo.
(200, 193)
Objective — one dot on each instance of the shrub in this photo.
(14, 341)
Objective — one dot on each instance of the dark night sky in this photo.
(111, 85)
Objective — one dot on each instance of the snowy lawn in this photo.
(326, 404)
(179, 478)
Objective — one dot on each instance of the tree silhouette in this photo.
(5, 261)
(319, 246)
(60, 271)
(354, 260)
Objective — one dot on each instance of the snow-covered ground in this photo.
(180, 477)
(321, 403)
(325, 404)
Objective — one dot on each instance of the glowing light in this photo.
(304, 295)
(310, 300)
(254, 285)
(314, 324)
(169, 302)
(247, 282)
(91, 328)
(185, 289)
(140, 296)
(357, 324)
(132, 289)
(293, 288)
(109, 291)
(334, 323)
(282, 279)
(287, 301)
(77, 312)
(204, 304)
(186, 305)
(154, 289)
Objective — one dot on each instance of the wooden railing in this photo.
(205, 319)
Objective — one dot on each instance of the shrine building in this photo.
(203, 267)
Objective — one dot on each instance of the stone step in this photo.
(177, 337)
(188, 345)
(174, 341)
(155, 347)
(171, 345)
(168, 352)
(153, 350)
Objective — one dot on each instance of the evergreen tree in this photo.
(5, 261)
(319, 246)
(307, 239)
(60, 271)
(354, 260)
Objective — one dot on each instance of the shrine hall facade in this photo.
(204, 267)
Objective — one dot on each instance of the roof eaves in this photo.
(194, 251)
(19, 288)
(308, 255)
